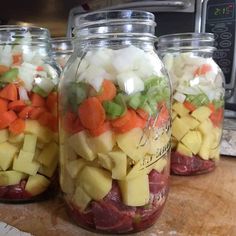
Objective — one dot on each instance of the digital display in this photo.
(221, 11)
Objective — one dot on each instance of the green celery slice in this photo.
(9, 76)
(40, 91)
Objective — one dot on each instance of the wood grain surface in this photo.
(203, 205)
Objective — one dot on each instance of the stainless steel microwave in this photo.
(179, 16)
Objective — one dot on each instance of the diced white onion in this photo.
(179, 97)
(23, 94)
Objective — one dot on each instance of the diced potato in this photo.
(11, 177)
(102, 143)
(215, 153)
(179, 128)
(174, 142)
(96, 182)
(4, 134)
(81, 198)
(75, 166)
(157, 141)
(33, 127)
(182, 149)
(217, 134)
(180, 109)
(133, 143)
(16, 138)
(7, 153)
(36, 184)
(173, 114)
(160, 164)
(135, 191)
(205, 127)
(201, 113)
(49, 154)
(67, 184)
(24, 163)
(105, 161)
(30, 141)
(192, 123)
(206, 146)
(79, 143)
(119, 169)
(193, 141)
(48, 171)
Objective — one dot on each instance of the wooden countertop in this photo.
(203, 205)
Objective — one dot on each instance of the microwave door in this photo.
(187, 6)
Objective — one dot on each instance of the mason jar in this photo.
(28, 117)
(62, 48)
(114, 114)
(198, 101)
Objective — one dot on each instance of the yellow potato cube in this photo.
(135, 191)
(81, 198)
(30, 141)
(49, 154)
(7, 153)
(11, 177)
(206, 146)
(193, 141)
(205, 127)
(96, 182)
(160, 165)
(48, 170)
(133, 143)
(179, 128)
(182, 149)
(75, 166)
(36, 184)
(119, 169)
(79, 143)
(105, 161)
(4, 134)
(201, 113)
(67, 184)
(192, 123)
(180, 109)
(16, 139)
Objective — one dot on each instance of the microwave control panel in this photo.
(220, 20)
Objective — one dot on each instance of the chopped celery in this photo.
(113, 110)
(218, 103)
(120, 100)
(198, 100)
(9, 76)
(135, 100)
(40, 91)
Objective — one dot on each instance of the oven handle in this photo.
(167, 5)
(230, 106)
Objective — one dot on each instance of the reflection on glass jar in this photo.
(62, 48)
(114, 106)
(28, 117)
(198, 101)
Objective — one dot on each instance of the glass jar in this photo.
(62, 48)
(28, 117)
(198, 101)
(114, 113)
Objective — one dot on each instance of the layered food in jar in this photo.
(115, 139)
(197, 112)
(28, 121)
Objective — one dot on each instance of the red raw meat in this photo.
(184, 165)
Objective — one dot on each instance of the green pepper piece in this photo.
(113, 110)
(9, 76)
(40, 91)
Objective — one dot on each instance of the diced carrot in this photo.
(25, 112)
(6, 118)
(202, 70)
(140, 122)
(118, 122)
(4, 69)
(39, 68)
(189, 106)
(45, 119)
(143, 114)
(71, 123)
(37, 100)
(51, 103)
(17, 59)
(131, 123)
(217, 117)
(53, 124)
(3, 105)
(163, 116)
(91, 113)
(101, 129)
(17, 126)
(9, 92)
(36, 112)
(108, 91)
(212, 107)
(17, 105)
